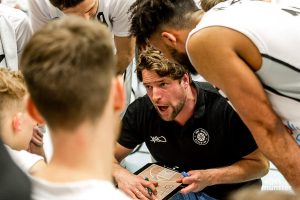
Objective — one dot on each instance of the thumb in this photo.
(188, 180)
(179, 180)
(187, 189)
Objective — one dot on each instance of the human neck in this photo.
(196, 17)
(182, 34)
(8, 132)
(83, 154)
(189, 106)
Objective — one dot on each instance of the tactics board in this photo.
(166, 178)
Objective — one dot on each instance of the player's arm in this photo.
(38, 16)
(23, 35)
(125, 51)
(226, 59)
(134, 186)
(250, 167)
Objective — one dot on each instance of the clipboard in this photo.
(166, 178)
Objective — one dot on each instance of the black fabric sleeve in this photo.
(242, 139)
(15, 185)
(131, 133)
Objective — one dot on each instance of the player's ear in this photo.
(16, 122)
(33, 112)
(119, 98)
(169, 38)
(185, 80)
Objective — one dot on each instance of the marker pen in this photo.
(184, 174)
(148, 189)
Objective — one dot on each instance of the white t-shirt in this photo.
(24, 159)
(275, 31)
(10, 3)
(20, 24)
(287, 2)
(21, 4)
(80, 190)
(114, 13)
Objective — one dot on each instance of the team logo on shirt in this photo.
(200, 136)
(155, 139)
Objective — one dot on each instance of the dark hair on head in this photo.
(63, 4)
(153, 60)
(147, 16)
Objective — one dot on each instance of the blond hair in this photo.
(12, 84)
(12, 90)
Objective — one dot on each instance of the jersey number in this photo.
(101, 18)
(292, 12)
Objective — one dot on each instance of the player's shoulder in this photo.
(44, 6)
(211, 96)
(115, 5)
(206, 87)
(11, 13)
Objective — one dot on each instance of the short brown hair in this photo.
(12, 89)
(153, 60)
(68, 66)
(206, 5)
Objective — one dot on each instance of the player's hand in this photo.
(196, 181)
(36, 143)
(136, 187)
(38, 134)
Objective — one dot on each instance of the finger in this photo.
(188, 180)
(150, 185)
(187, 189)
(38, 131)
(130, 194)
(155, 183)
(37, 139)
(154, 197)
(139, 194)
(192, 172)
(37, 142)
(179, 180)
(145, 192)
(37, 134)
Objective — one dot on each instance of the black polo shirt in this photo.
(213, 137)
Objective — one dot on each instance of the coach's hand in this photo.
(196, 181)
(135, 186)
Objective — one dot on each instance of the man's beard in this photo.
(176, 110)
(182, 59)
